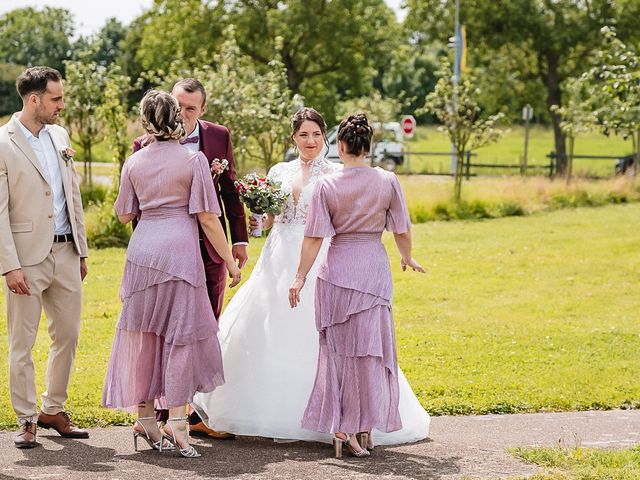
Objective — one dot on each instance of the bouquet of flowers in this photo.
(261, 195)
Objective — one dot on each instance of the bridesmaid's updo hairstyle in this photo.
(160, 116)
(304, 114)
(356, 134)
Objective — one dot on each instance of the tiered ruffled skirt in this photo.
(166, 346)
(356, 387)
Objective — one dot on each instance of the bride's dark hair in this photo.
(304, 114)
(356, 133)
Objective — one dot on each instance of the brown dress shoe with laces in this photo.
(26, 436)
(61, 423)
(201, 430)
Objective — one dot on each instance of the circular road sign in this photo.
(408, 125)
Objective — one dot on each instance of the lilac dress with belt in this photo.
(356, 385)
(166, 346)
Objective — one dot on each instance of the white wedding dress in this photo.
(270, 350)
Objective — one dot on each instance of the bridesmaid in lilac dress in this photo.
(356, 386)
(166, 346)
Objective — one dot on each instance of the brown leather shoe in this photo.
(61, 423)
(201, 430)
(26, 436)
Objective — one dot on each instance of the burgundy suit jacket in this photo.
(215, 142)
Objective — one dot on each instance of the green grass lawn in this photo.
(510, 148)
(582, 463)
(517, 314)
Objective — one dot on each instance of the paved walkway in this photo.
(459, 447)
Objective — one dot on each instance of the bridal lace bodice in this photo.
(285, 172)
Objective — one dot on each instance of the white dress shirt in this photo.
(194, 147)
(45, 151)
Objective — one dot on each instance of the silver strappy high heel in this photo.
(160, 445)
(339, 442)
(189, 451)
(365, 440)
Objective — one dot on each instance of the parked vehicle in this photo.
(623, 164)
(387, 150)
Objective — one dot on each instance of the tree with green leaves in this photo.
(255, 106)
(114, 113)
(10, 101)
(615, 81)
(189, 31)
(84, 93)
(466, 126)
(105, 45)
(411, 73)
(576, 117)
(29, 36)
(554, 39)
(330, 49)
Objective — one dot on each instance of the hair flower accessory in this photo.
(67, 155)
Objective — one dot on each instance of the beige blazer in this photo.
(26, 200)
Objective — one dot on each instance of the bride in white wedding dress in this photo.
(270, 351)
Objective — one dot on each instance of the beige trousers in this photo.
(55, 286)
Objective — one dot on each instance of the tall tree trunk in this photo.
(554, 97)
(294, 79)
(636, 151)
(569, 165)
(90, 159)
(457, 189)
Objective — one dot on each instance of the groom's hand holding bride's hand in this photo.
(415, 266)
(240, 255)
(294, 291)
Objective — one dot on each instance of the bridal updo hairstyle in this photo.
(160, 116)
(304, 114)
(356, 134)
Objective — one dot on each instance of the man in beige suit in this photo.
(43, 250)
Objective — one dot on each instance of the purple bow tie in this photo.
(195, 139)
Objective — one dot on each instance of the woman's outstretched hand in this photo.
(234, 273)
(411, 263)
(294, 291)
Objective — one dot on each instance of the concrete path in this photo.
(458, 447)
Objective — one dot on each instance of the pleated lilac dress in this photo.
(356, 385)
(166, 346)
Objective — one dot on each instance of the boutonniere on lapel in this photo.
(67, 155)
(218, 166)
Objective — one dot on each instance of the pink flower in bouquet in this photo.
(260, 195)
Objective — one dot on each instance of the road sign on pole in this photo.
(408, 124)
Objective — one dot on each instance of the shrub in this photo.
(92, 195)
(103, 227)
(510, 209)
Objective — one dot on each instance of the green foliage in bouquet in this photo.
(261, 194)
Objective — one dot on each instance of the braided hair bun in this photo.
(356, 134)
(160, 116)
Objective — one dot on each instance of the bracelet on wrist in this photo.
(301, 277)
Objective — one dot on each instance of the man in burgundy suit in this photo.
(215, 142)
